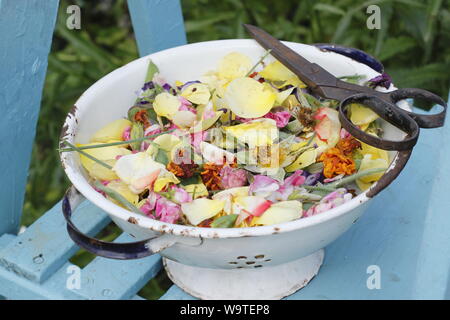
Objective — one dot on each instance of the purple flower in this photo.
(383, 80)
(233, 177)
(148, 85)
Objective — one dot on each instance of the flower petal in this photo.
(106, 154)
(197, 93)
(248, 98)
(277, 72)
(201, 209)
(234, 65)
(112, 131)
(280, 212)
(259, 132)
(196, 190)
(166, 105)
(138, 170)
(361, 115)
(305, 159)
(122, 189)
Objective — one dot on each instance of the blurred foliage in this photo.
(412, 44)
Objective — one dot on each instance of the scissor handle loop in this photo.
(423, 120)
(387, 111)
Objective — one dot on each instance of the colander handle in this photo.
(111, 250)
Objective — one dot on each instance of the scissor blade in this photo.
(310, 73)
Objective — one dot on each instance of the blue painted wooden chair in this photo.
(404, 233)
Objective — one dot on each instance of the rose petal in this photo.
(112, 131)
(248, 98)
(201, 209)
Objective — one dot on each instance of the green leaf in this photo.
(224, 221)
(328, 8)
(395, 46)
(161, 156)
(151, 71)
(137, 132)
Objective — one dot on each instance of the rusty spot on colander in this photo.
(132, 220)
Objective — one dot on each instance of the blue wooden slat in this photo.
(117, 279)
(45, 246)
(26, 29)
(14, 286)
(158, 25)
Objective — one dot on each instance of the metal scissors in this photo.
(327, 86)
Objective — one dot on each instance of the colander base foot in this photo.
(267, 283)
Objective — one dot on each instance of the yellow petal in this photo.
(163, 180)
(369, 163)
(281, 96)
(112, 131)
(122, 189)
(234, 65)
(196, 190)
(201, 209)
(374, 152)
(167, 141)
(280, 212)
(256, 133)
(276, 71)
(106, 154)
(234, 192)
(249, 98)
(361, 115)
(305, 159)
(166, 105)
(197, 93)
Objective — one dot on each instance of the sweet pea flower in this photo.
(160, 208)
(330, 201)
(233, 177)
(274, 190)
(180, 195)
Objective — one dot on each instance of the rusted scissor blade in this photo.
(310, 73)
(320, 81)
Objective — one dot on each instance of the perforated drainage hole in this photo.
(250, 262)
(268, 260)
(259, 256)
(258, 266)
(241, 257)
(232, 262)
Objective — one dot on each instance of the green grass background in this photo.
(412, 44)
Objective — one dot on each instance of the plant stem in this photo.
(257, 63)
(353, 177)
(87, 155)
(116, 196)
(118, 143)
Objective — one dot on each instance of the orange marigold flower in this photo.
(211, 176)
(336, 163)
(347, 145)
